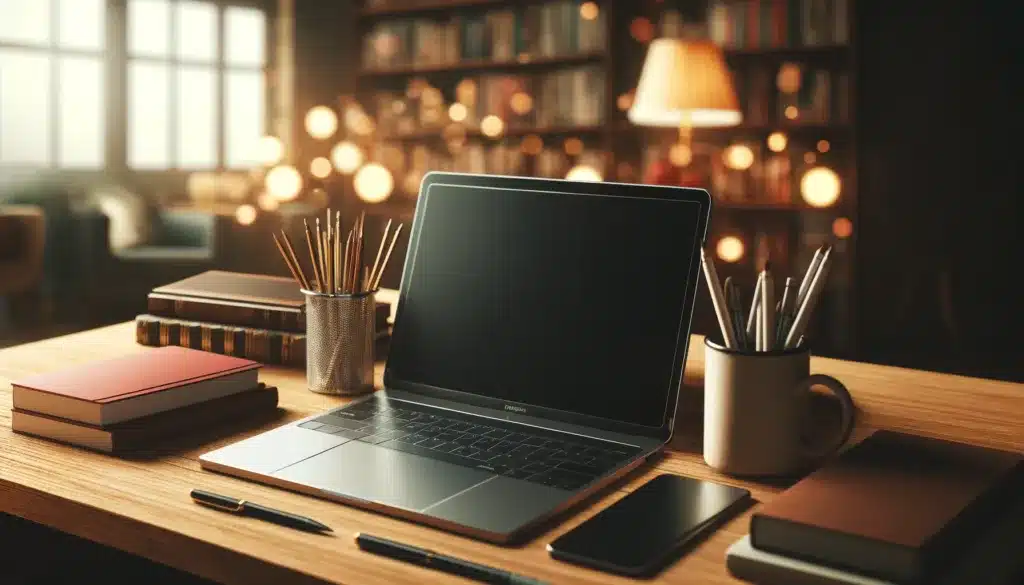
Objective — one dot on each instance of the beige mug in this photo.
(756, 407)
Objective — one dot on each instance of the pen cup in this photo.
(757, 407)
(339, 342)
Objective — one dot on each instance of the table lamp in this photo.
(685, 84)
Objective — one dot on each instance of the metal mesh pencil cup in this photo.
(339, 342)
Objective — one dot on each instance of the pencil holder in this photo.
(339, 342)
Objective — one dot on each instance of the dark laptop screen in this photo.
(571, 302)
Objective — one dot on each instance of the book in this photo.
(993, 559)
(115, 390)
(234, 298)
(893, 507)
(145, 432)
(267, 346)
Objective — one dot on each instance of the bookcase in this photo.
(542, 89)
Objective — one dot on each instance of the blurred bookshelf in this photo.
(542, 89)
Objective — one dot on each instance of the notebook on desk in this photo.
(525, 370)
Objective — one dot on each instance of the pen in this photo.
(235, 506)
(718, 300)
(732, 300)
(445, 563)
(811, 271)
(785, 313)
(767, 306)
(803, 314)
(754, 304)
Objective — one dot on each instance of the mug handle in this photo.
(847, 415)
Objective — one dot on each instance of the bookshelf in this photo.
(568, 57)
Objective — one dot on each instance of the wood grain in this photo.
(141, 505)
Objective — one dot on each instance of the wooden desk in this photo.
(142, 506)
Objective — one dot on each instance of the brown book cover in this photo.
(281, 348)
(235, 298)
(143, 433)
(894, 507)
(108, 391)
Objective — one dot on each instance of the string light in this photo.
(730, 249)
(283, 182)
(820, 187)
(373, 183)
(321, 122)
(346, 157)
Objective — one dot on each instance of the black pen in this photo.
(430, 559)
(229, 504)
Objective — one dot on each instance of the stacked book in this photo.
(894, 510)
(251, 316)
(130, 403)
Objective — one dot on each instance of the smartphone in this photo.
(639, 534)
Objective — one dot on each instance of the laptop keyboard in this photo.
(550, 458)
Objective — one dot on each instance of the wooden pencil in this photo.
(312, 257)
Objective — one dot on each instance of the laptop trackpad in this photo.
(367, 472)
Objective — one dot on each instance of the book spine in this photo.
(185, 309)
(269, 347)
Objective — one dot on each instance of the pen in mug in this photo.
(735, 304)
(803, 314)
(808, 276)
(754, 304)
(767, 306)
(785, 313)
(718, 300)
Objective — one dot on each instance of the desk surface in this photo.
(141, 505)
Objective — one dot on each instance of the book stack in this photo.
(130, 403)
(250, 316)
(894, 510)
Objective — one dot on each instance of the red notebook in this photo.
(110, 391)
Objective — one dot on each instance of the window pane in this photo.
(81, 24)
(82, 128)
(243, 110)
(197, 31)
(148, 108)
(149, 28)
(25, 95)
(245, 31)
(197, 118)
(25, 21)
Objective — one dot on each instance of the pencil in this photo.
(287, 261)
(312, 256)
(383, 265)
(295, 259)
(380, 250)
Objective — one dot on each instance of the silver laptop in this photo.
(537, 354)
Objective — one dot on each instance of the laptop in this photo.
(536, 356)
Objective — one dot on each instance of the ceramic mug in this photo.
(756, 407)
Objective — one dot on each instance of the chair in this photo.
(22, 243)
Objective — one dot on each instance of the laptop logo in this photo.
(514, 408)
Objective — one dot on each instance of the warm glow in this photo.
(823, 146)
(641, 29)
(583, 173)
(398, 107)
(588, 11)
(625, 171)
(270, 150)
(465, 92)
(730, 249)
(777, 142)
(457, 112)
(532, 145)
(454, 136)
(624, 101)
(842, 227)
(386, 44)
(521, 103)
(431, 97)
(245, 214)
(810, 157)
(411, 183)
(283, 182)
(791, 112)
(321, 122)
(346, 157)
(788, 79)
(680, 155)
(430, 116)
(573, 146)
(320, 167)
(416, 87)
(373, 183)
(267, 202)
(738, 157)
(820, 187)
(492, 126)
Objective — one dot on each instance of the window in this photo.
(196, 84)
(52, 83)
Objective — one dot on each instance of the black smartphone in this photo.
(639, 534)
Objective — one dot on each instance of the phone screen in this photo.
(638, 533)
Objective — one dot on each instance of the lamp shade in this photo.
(685, 83)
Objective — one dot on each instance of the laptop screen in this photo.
(565, 301)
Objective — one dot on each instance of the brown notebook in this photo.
(143, 433)
(234, 298)
(109, 391)
(894, 507)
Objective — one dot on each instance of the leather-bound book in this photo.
(256, 301)
(894, 507)
(110, 391)
(144, 433)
